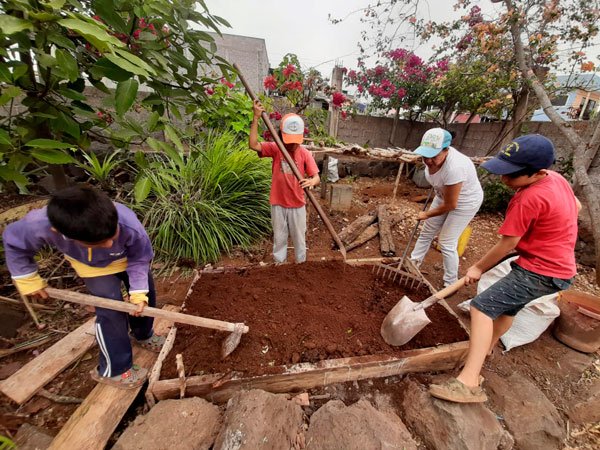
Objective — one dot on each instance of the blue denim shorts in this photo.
(510, 294)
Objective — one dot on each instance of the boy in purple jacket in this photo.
(106, 245)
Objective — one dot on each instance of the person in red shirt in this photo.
(541, 226)
(288, 204)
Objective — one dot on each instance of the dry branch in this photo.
(370, 232)
(386, 241)
(352, 231)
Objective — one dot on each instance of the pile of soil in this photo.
(298, 313)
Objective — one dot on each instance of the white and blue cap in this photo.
(433, 142)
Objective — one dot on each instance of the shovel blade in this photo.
(403, 322)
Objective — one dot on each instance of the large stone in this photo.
(260, 420)
(446, 425)
(359, 426)
(531, 418)
(190, 423)
(587, 410)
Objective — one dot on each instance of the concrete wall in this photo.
(478, 139)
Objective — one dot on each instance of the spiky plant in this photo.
(202, 202)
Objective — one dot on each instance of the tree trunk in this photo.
(370, 232)
(386, 241)
(352, 231)
(394, 127)
(583, 152)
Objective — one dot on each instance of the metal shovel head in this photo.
(403, 322)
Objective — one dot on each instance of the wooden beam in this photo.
(386, 240)
(93, 423)
(352, 231)
(34, 375)
(304, 376)
(369, 233)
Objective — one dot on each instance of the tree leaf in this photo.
(96, 35)
(4, 137)
(152, 121)
(125, 95)
(48, 143)
(9, 174)
(172, 135)
(67, 64)
(12, 25)
(9, 93)
(52, 156)
(107, 11)
(142, 189)
(135, 60)
(105, 68)
(126, 65)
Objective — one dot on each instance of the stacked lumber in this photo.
(377, 222)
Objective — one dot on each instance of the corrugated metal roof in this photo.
(585, 81)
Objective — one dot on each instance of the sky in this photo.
(302, 27)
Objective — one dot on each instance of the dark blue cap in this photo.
(530, 151)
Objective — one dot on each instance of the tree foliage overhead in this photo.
(54, 53)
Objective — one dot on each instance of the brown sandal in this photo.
(153, 343)
(130, 379)
(455, 391)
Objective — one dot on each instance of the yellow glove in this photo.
(138, 297)
(30, 284)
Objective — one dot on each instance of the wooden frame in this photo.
(219, 388)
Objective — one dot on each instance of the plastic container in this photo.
(574, 328)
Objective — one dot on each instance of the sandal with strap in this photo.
(455, 391)
(153, 343)
(130, 379)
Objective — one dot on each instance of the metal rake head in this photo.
(398, 275)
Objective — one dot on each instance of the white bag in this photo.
(332, 170)
(531, 321)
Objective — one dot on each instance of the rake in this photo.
(405, 271)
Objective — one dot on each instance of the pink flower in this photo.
(267, 135)
(270, 83)
(401, 92)
(136, 33)
(209, 91)
(289, 70)
(413, 19)
(306, 132)
(379, 70)
(352, 75)
(344, 115)
(275, 115)
(227, 83)
(338, 99)
(361, 88)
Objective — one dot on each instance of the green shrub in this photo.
(496, 195)
(203, 202)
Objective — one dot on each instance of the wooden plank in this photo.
(93, 423)
(386, 241)
(369, 233)
(352, 231)
(304, 376)
(34, 375)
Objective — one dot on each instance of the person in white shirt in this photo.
(458, 196)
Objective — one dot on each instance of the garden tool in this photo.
(407, 270)
(229, 344)
(407, 318)
(292, 164)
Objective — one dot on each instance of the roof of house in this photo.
(585, 81)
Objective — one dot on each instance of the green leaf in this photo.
(52, 156)
(172, 135)
(96, 35)
(48, 143)
(142, 189)
(73, 95)
(105, 68)
(67, 124)
(5, 74)
(126, 65)
(4, 137)
(19, 71)
(125, 95)
(107, 11)
(9, 93)
(12, 25)
(61, 41)
(140, 160)
(55, 4)
(152, 121)
(9, 174)
(135, 60)
(43, 16)
(67, 64)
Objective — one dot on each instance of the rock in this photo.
(456, 426)
(588, 410)
(190, 423)
(531, 418)
(359, 426)
(260, 420)
(30, 437)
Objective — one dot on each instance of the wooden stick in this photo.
(26, 345)
(352, 231)
(156, 369)
(398, 179)
(370, 232)
(292, 164)
(99, 302)
(181, 373)
(32, 313)
(12, 301)
(63, 399)
(386, 240)
(324, 175)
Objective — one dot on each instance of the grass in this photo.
(206, 201)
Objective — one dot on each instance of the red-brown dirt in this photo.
(298, 313)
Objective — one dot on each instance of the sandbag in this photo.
(531, 321)
(332, 170)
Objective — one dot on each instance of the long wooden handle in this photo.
(440, 295)
(292, 164)
(100, 302)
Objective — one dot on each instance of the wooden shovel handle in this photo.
(440, 295)
(100, 302)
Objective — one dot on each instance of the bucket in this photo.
(578, 325)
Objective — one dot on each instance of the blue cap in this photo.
(530, 151)
(433, 142)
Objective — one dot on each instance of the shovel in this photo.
(229, 344)
(407, 318)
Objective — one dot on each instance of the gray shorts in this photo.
(510, 294)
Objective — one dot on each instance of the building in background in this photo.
(247, 52)
(577, 98)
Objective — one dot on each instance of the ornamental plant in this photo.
(54, 55)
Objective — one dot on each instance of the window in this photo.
(559, 100)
